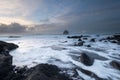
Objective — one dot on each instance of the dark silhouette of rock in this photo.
(88, 45)
(86, 60)
(85, 38)
(79, 43)
(117, 37)
(14, 37)
(92, 40)
(45, 72)
(66, 32)
(79, 39)
(5, 65)
(7, 46)
(113, 41)
(115, 64)
(75, 37)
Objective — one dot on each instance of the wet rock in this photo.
(110, 38)
(115, 64)
(105, 41)
(18, 73)
(102, 39)
(86, 60)
(20, 70)
(5, 65)
(79, 43)
(117, 37)
(7, 46)
(113, 41)
(88, 45)
(45, 72)
(79, 39)
(75, 37)
(14, 36)
(85, 38)
(92, 40)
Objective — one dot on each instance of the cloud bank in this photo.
(53, 17)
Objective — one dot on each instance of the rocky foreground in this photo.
(39, 72)
(84, 58)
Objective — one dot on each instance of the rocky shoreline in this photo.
(53, 72)
(12, 72)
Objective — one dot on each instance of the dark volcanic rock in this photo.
(75, 37)
(79, 39)
(117, 37)
(115, 64)
(5, 65)
(45, 72)
(88, 45)
(8, 46)
(79, 43)
(92, 40)
(85, 59)
(114, 39)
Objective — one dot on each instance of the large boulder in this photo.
(86, 60)
(45, 72)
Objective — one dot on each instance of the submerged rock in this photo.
(75, 37)
(114, 39)
(6, 67)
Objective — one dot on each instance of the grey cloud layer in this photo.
(77, 16)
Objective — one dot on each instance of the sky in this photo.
(55, 16)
